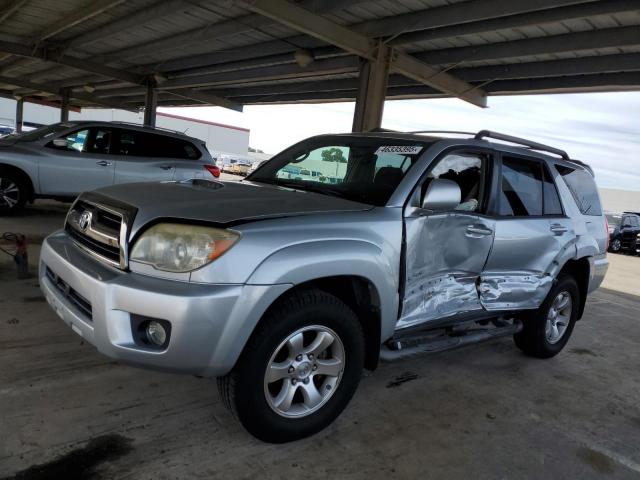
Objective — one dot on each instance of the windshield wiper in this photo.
(312, 188)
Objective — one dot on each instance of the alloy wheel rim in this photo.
(9, 193)
(558, 317)
(615, 245)
(304, 371)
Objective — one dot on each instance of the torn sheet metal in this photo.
(438, 297)
(513, 290)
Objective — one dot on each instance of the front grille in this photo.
(97, 228)
(77, 300)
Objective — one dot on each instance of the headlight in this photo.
(174, 247)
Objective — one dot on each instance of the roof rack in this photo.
(455, 132)
(147, 127)
(521, 141)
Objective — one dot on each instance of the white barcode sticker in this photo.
(400, 149)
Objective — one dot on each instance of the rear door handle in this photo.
(166, 167)
(104, 163)
(480, 230)
(558, 229)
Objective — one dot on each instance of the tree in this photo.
(333, 154)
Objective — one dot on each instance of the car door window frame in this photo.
(488, 158)
(544, 170)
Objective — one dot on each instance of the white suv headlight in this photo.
(175, 247)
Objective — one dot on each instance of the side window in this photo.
(467, 170)
(521, 188)
(100, 141)
(551, 200)
(75, 141)
(144, 144)
(583, 189)
(634, 221)
(128, 143)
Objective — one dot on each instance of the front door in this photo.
(446, 251)
(82, 163)
(532, 236)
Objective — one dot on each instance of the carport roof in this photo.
(232, 53)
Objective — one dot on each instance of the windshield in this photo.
(363, 169)
(45, 131)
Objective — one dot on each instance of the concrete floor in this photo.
(484, 412)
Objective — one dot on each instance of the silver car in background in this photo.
(63, 159)
(285, 286)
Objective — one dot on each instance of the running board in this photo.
(418, 345)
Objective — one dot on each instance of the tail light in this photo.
(213, 170)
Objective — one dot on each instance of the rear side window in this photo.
(551, 200)
(583, 189)
(521, 188)
(144, 144)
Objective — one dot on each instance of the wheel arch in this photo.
(23, 175)
(580, 270)
(362, 296)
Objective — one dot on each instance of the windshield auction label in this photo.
(401, 149)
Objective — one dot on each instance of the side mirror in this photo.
(60, 142)
(441, 195)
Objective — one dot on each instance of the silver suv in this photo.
(285, 286)
(61, 160)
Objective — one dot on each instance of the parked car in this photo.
(5, 130)
(625, 236)
(61, 160)
(286, 289)
(240, 168)
(257, 165)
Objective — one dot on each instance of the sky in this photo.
(602, 129)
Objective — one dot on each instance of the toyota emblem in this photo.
(85, 220)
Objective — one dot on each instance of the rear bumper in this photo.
(210, 324)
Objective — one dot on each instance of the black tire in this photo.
(615, 245)
(533, 340)
(9, 181)
(243, 389)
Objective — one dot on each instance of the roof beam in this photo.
(353, 42)
(87, 66)
(512, 16)
(9, 7)
(79, 16)
(569, 42)
(57, 91)
(136, 19)
(276, 72)
(610, 82)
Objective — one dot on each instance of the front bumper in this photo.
(210, 324)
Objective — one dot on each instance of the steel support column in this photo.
(64, 105)
(19, 114)
(372, 90)
(150, 105)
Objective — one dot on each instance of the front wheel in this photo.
(13, 192)
(547, 330)
(299, 369)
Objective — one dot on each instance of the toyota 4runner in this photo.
(285, 286)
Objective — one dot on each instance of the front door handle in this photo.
(166, 167)
(558, 229)
(478, 230)
(104, 163)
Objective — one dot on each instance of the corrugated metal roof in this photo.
(174, 39)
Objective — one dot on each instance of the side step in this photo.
(421, 344)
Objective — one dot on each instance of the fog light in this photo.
(156, 334)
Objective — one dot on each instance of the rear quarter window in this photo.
(583, 189)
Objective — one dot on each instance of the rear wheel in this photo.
(13, 192)
(615, 246)
(547, 330)
(299, 369)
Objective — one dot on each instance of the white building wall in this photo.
(219, 138)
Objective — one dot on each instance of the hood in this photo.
(223, 202)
